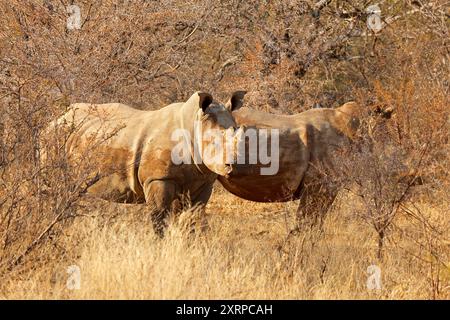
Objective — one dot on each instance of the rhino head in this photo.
(215, 132)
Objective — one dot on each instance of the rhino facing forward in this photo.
(306, 141)
(136, 157)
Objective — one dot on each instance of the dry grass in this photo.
(246, 254)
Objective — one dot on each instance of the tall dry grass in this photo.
(246, 254)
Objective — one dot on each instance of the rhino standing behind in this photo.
(134, 150)
(306, 141)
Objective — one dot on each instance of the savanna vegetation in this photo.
(290, 56)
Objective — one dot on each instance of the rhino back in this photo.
(129, 145)
(251, 117)
(327, 130)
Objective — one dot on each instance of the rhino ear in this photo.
(384, 111)
(236, 100)
(387, 112)
(204, 100)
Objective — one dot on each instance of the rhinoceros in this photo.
(135, 150)
(306, 141)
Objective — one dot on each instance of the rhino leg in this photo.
(159, 194)
(201, 200)
(314, 205)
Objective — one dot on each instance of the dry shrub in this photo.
(397, 163)
(42, 186)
